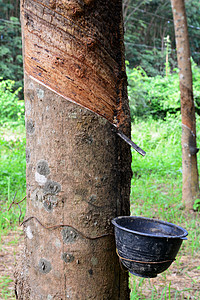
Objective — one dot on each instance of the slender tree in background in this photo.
(78, 170)
(190, 189)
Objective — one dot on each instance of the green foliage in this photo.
(5, 292)
(11, 65)
(12, 109)
(158, 96)
(11, 62)
(193, 17)
(156, 189)
(157, 177)
(153, 61)
(196, 86)
(12, 173)
(137, 91)
(196, 205)
(156, 192)
(9, 8)
(147, 24)
(12, 149)
(162, 142)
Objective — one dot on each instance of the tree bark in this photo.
(78, 169)
(190, 189)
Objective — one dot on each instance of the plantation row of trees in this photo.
(149, 34)
(11, 63)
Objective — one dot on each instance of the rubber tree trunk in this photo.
(78, 169)
(190, 188)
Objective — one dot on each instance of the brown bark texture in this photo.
(78, 169)
(77, 43)
(190, 188)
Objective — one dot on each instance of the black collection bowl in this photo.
(147, 247)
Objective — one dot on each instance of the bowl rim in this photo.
(182, 236)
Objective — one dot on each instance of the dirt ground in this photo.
(180, 281)
(10, 248)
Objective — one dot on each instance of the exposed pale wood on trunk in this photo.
(66, 49)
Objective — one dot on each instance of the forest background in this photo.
(154, 99)
(150, 53)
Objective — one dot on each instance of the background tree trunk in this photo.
(78, 170)
(190, 189)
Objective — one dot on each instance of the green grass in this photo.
(5, 292)
(12, 173)
(157, 191)
(157, 181)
